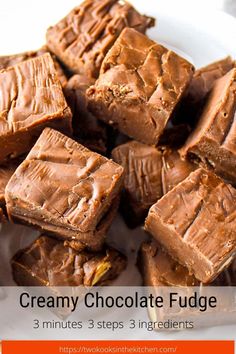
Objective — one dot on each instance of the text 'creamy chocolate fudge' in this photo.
(11, 60)
(213, 142)
(139, 86)
(65, 189)
(87, 129)
(149, 174)
(82, 39)
(49, 262)
(31, 99)
(196, 223)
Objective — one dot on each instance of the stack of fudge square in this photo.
(103, 116)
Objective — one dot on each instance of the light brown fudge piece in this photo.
(196, 223)
(31, 100)
(87, 129)
(204, 78)
(164, 276)
(139, 86)
(10, 60)
(64, 188)
(149, 174)
(48, 262)
(213, 142)
(82, 39)
(158, 268)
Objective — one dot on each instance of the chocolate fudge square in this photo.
(82, 39)
(48, 262)
(64, 188)
(149, 174)
(196, 223)
(139, 86)
(11, 60)
(31, 99)
(201, 84)
(213, 141)
(87, 129)
(158, 268)
(161, 274)
(204, 78)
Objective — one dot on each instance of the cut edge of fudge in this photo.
(182, 234)
(212, 141)
(204, 78)
(92, 240)
(160, 269)
(125, 88)
(163, 276)
(49, 262)
(87, 129)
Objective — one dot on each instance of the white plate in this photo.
(201, 35)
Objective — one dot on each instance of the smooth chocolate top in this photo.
(149, 172)
(31, 95)
(83, 37)
(139, 86)
(11, 60)
(201, 211)
(64, 183)
(89, 131)
(49, 262)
